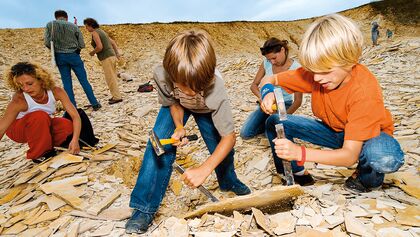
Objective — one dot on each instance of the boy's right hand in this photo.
(267, 103)
(178, 134)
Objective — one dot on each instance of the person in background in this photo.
(107, 51)
(389, 34)
(68, 42)
(276, 59)
(375, 33)
(347, 100)
(28, 116)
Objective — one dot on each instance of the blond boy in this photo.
(346, 99)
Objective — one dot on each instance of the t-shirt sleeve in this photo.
(164, 89)
(298, 80)
(217, 100)
(364, 120)
(47, 35)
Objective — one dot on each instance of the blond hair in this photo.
(331, 41)
(190, 60)
(32, 69)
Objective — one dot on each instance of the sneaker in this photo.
(114, 101)
(304, 180)
(96, 107)
(47, 155)
(146, 87)
(354, 185)
(138, 223)
(239, 189)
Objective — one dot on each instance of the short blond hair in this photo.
(331, 41)
(32, 69)
(190, 60)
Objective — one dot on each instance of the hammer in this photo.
(281, 109)
(157, 145)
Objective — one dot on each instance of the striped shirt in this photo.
(67, 37)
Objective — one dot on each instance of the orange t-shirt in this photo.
(357, 108)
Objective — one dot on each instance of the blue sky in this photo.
(36, 13)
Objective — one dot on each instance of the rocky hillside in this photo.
(322, 211)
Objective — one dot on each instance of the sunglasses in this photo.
(22, 68)
(269, 49)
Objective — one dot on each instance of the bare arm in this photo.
(194, 177)
(269, 99)
(98, 42)
(345, 156)
(12, 110)
(115, 47)
(254, 86)
(62, 96)
(177, 113)
(297, 102)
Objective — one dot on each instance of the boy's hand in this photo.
(267, 103)
(287, 150)
(178, 134)
(194, 177)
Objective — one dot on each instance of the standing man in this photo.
(375, 33)
(68, 41)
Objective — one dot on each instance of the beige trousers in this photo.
(109, 65)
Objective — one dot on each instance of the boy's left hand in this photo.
(287, 150)
(194, 177)
(179, 134)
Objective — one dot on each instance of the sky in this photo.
(36, 13)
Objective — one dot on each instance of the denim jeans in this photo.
(72, 61)
(255, 123)
(156, 171)
(379, 155)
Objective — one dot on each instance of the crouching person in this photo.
(28, 116)
(347, 99)
(188, 85)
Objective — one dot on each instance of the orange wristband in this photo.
(302, 161)
(179, 127)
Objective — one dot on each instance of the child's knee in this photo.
(387, 162)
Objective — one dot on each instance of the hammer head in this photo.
(281, 107)
(157, 146)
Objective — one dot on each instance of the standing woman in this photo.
(28, 116)
(106, 50)
(276, 53)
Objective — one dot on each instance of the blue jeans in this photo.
(72, 61)
(155, 171)
(375, 35)
(255, 123)
(379, 155)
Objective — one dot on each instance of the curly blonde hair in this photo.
(32, 69)
(331, 41)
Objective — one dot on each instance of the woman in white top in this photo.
(29, 115)
(276, 59)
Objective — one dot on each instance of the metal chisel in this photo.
(281, 109)
(205, 191)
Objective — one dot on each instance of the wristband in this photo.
(178, 127)
(267, 88)
(302, 161)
